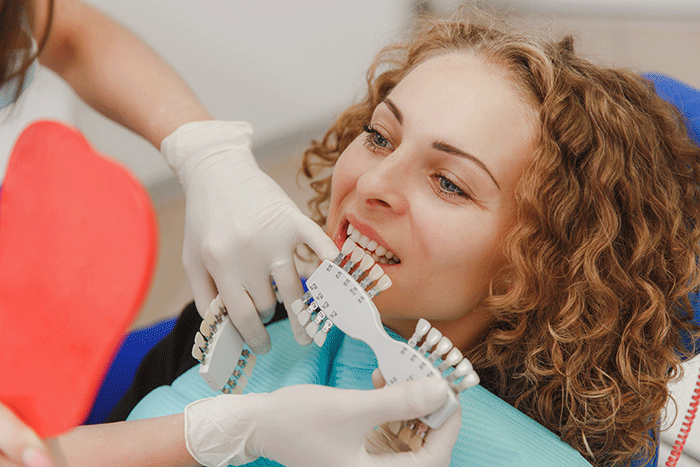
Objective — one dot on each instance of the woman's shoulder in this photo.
(495, 433)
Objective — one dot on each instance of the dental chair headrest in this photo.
(683, 96)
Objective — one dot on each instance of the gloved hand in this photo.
(241, 228)
(315, 426)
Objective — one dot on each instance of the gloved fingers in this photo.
(19, 445)
(260, 291)
(201, 283)
(435, 452)
(378, 379)
(438, 444)
(243, 314)
(316, 238)
(267, 315)
(406, 401)
(290, 289)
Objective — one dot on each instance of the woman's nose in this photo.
(385, 184)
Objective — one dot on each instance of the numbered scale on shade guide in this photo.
(226, 362)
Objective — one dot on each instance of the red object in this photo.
(678, 446)
(78, 248)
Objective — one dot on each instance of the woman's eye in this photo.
(374, 140)
(448, 187)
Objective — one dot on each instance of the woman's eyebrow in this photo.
(395, 110)
(444, 147)
(440, 146)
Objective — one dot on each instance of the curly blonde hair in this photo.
(605, 250)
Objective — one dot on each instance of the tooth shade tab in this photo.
(471, 379)
(197, 353)
(304, 318)
(430, 340)
(210, 318)
(441, 349)
(375, 273)
(199, 341)
(205, 330)
(461, 369)
(355, 257)
(320, 336)
(297, 306)
(453, 357)
(365, 263)
(347, 248)
(382, 284)
(312, 328)
(422, 328)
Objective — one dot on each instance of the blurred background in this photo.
(289, 66)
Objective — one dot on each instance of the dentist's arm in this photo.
(114, 71)
(297, 426)
(316, 426)
(241, 228)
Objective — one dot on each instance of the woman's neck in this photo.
(463, 332)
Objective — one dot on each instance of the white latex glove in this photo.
(241, 228)
(317, 426)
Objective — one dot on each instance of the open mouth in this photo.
(378, 252)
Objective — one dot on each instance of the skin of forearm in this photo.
(115, 72)
(154, 442)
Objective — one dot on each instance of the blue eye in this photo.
(448, 187)
(374, 140)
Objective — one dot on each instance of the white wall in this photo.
(285, 65)
(282, 65)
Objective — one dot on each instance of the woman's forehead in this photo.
(467, 102)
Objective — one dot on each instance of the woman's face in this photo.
(431, 180)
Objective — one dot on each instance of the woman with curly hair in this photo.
(538, 210)
(586, 323)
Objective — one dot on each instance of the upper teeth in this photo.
(378, 252)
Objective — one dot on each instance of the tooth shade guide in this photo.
(297, 306)
(471, 379)
(430, 340)
(441, 349)
(224, 361)
(382, 284)
(453, 357)
(205, 329)
(355, 257)
(461, 369)
(422, 328)
(365, 264)
(350, 308)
